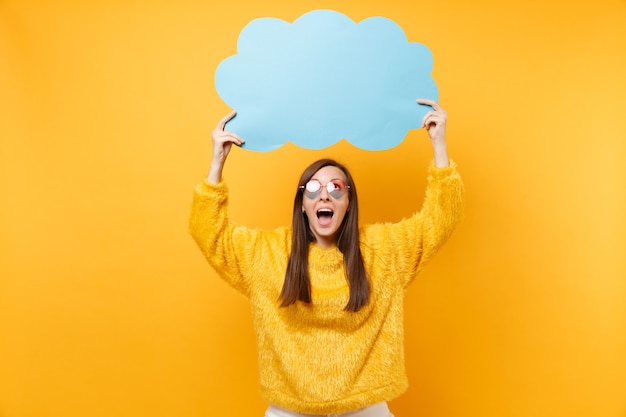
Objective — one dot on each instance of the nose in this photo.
(324, 194)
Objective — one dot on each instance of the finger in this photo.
(225, 119)
(431, 103)
(428, 118)
(218, 134)
(231, 137)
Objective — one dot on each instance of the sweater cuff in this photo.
(439, 173)
(208, 188)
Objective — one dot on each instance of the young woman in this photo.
(327, 294)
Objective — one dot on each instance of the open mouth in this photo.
(324, 216)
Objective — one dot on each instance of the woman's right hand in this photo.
(222, 143)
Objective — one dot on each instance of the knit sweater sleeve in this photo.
(234, 251)
(412, 242)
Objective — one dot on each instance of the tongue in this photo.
(324, 220)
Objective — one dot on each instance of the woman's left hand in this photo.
(434, 121)
(435, 124)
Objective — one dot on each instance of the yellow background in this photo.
(108, 309)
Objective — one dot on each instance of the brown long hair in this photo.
(297, 284)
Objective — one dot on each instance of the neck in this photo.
(325, 243)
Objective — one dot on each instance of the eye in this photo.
(334, 186)
(313, 186)
(337, 186)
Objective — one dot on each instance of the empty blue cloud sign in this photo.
(324, 78)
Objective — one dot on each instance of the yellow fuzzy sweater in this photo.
(317, 358)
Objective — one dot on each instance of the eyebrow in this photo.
(332, 179)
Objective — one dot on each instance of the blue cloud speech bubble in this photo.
(324, 78)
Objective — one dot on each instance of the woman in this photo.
(326, 295)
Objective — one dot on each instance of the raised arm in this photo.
(411, 242)
(222, 143)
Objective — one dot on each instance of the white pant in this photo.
(376, 410)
